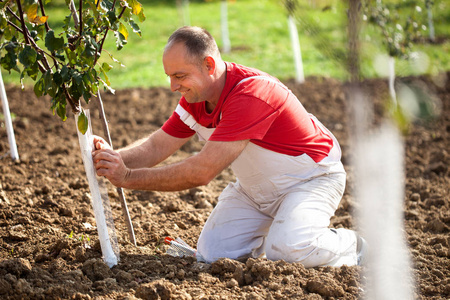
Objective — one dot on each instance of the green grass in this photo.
(259, 38)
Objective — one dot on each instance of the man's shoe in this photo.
(362, 250)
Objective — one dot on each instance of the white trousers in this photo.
(280, 207)
(297, 231)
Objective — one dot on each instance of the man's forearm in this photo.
(174, 177)
(132, 154)
(149, 152)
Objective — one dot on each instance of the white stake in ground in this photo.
(100, 202)
(300, 77)
(226, 48)
(8, 122)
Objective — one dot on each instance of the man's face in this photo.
(191, 80)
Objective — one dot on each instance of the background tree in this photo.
(399, 24)
(429, 5)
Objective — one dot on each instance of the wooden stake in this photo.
(123, 202)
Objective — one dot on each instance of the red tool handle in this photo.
(168, 240)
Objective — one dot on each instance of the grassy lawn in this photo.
(259, 38)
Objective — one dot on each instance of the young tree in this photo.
(64, 62)
(429, 5)
(399, 25)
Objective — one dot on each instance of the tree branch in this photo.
(13, 13)
(47, 28)
(121, 13)
(26, 34)
(81, 17)
(22, 22)
(104, 37)
(72, 8)
(15, 26)
(75, 106)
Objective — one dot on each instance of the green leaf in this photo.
(65, 73)
(135, 6)
(111, 17)
(61, 111)
(39, 87)
(50, 86)
(57, 78)
(123, 30)
(3, 19)
(33, 71)
(120, 40)
(71, 56)
(106, 67)
(82, 122)
(66, 22)
(9, 61)
(53, 43)
(141, 16)
(115, 60)
(135, 27)
(90, 46)
(27, 56)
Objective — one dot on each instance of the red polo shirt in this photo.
(259, 110)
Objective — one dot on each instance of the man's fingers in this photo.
(102, 172)
(103, 164)
(105, 154)
(100, 143)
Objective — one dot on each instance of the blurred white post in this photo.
(224, 25)
(300, 77)
(430, 20)
(183, 10)
(8, 122)
(379, 182)
(391, 66)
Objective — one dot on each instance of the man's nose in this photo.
(174, 86)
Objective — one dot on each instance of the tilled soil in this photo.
(49, 245)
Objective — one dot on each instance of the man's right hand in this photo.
(100, 143)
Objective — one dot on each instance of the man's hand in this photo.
(100, 143)
(109, 163)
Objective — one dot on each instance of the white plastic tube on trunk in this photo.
(106, 237)
(8, 122)
(379, 185)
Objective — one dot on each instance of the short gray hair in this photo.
(198, 41)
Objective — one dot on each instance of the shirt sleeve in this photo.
(177, 128)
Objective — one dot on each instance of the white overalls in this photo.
(280, 206)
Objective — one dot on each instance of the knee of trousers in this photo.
(291, 249)
(212, 248)
(212, 252)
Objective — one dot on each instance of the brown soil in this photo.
(45, 198)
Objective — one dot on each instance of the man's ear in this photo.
(210, 64)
